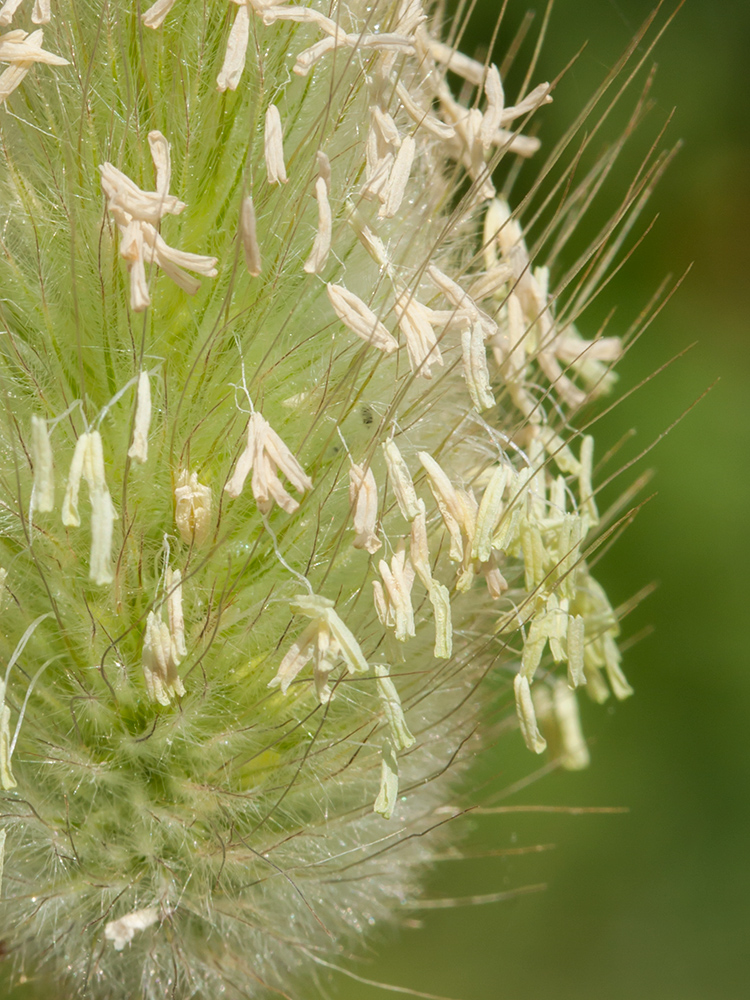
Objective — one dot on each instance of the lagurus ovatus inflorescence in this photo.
(294, 484)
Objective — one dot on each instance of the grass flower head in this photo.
(292, 488)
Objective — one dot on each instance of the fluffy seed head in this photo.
(227, 727)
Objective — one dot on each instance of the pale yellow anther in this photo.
(43, 494)
(367, 237)
(385, 127)
(476, 372)
(395, 187)
(416, 324)
(533, 647)
(154, 17)
(7, 11)
(139, 448)
(273, 147)
(136, 213)
(537, 97)
(297, 657)
(574, 753)
(360, 319)
(575, 643)
(453, 292)
(596, 686)
(555, 619)
(265, 455)
(376, 178)
(374, 246)
(382, 608)
(192, 508)
(462, 65)
(236, 51)
(40, 14)
(121, 932)
(273, 12)
(102, 511)
(88, 461)
(322, 242)
(495, 217)
(536, 497)
(558, 450)
(617, 680)
(324, 168)
(363, 497)
(381, 145)
(448, 503)
(509, 528)
(324, 660)
(419, 552)
(160, 156)
(70, 515)
(585, 489)
(422, 116)
(534, 554)
(521, 145)
(489, 514)
(492, 284)
(398, 579)
(557, 714)
(392, 709)
(308, 57)
(103, 516)
(401, 481)
(510, 242)
(540, 337)
(387, 796)
(571, 348)
(496, 582)
(249, 237)
(131, 250)
(324, 640)
(127, 202)
(493, 116)
(569, 537)
(558, 500)
(173, 586)
(316, 607)
(565, 388)
(441, 607)
(22, 51)
(380, 42)
(468, 507)
(93, 463)
(159, 664)
(527, 716)
(173, 262)
(7, 781)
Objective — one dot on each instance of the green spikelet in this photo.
(288, 485)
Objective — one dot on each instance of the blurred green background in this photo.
(653, 904)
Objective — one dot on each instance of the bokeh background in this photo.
(653, 904)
